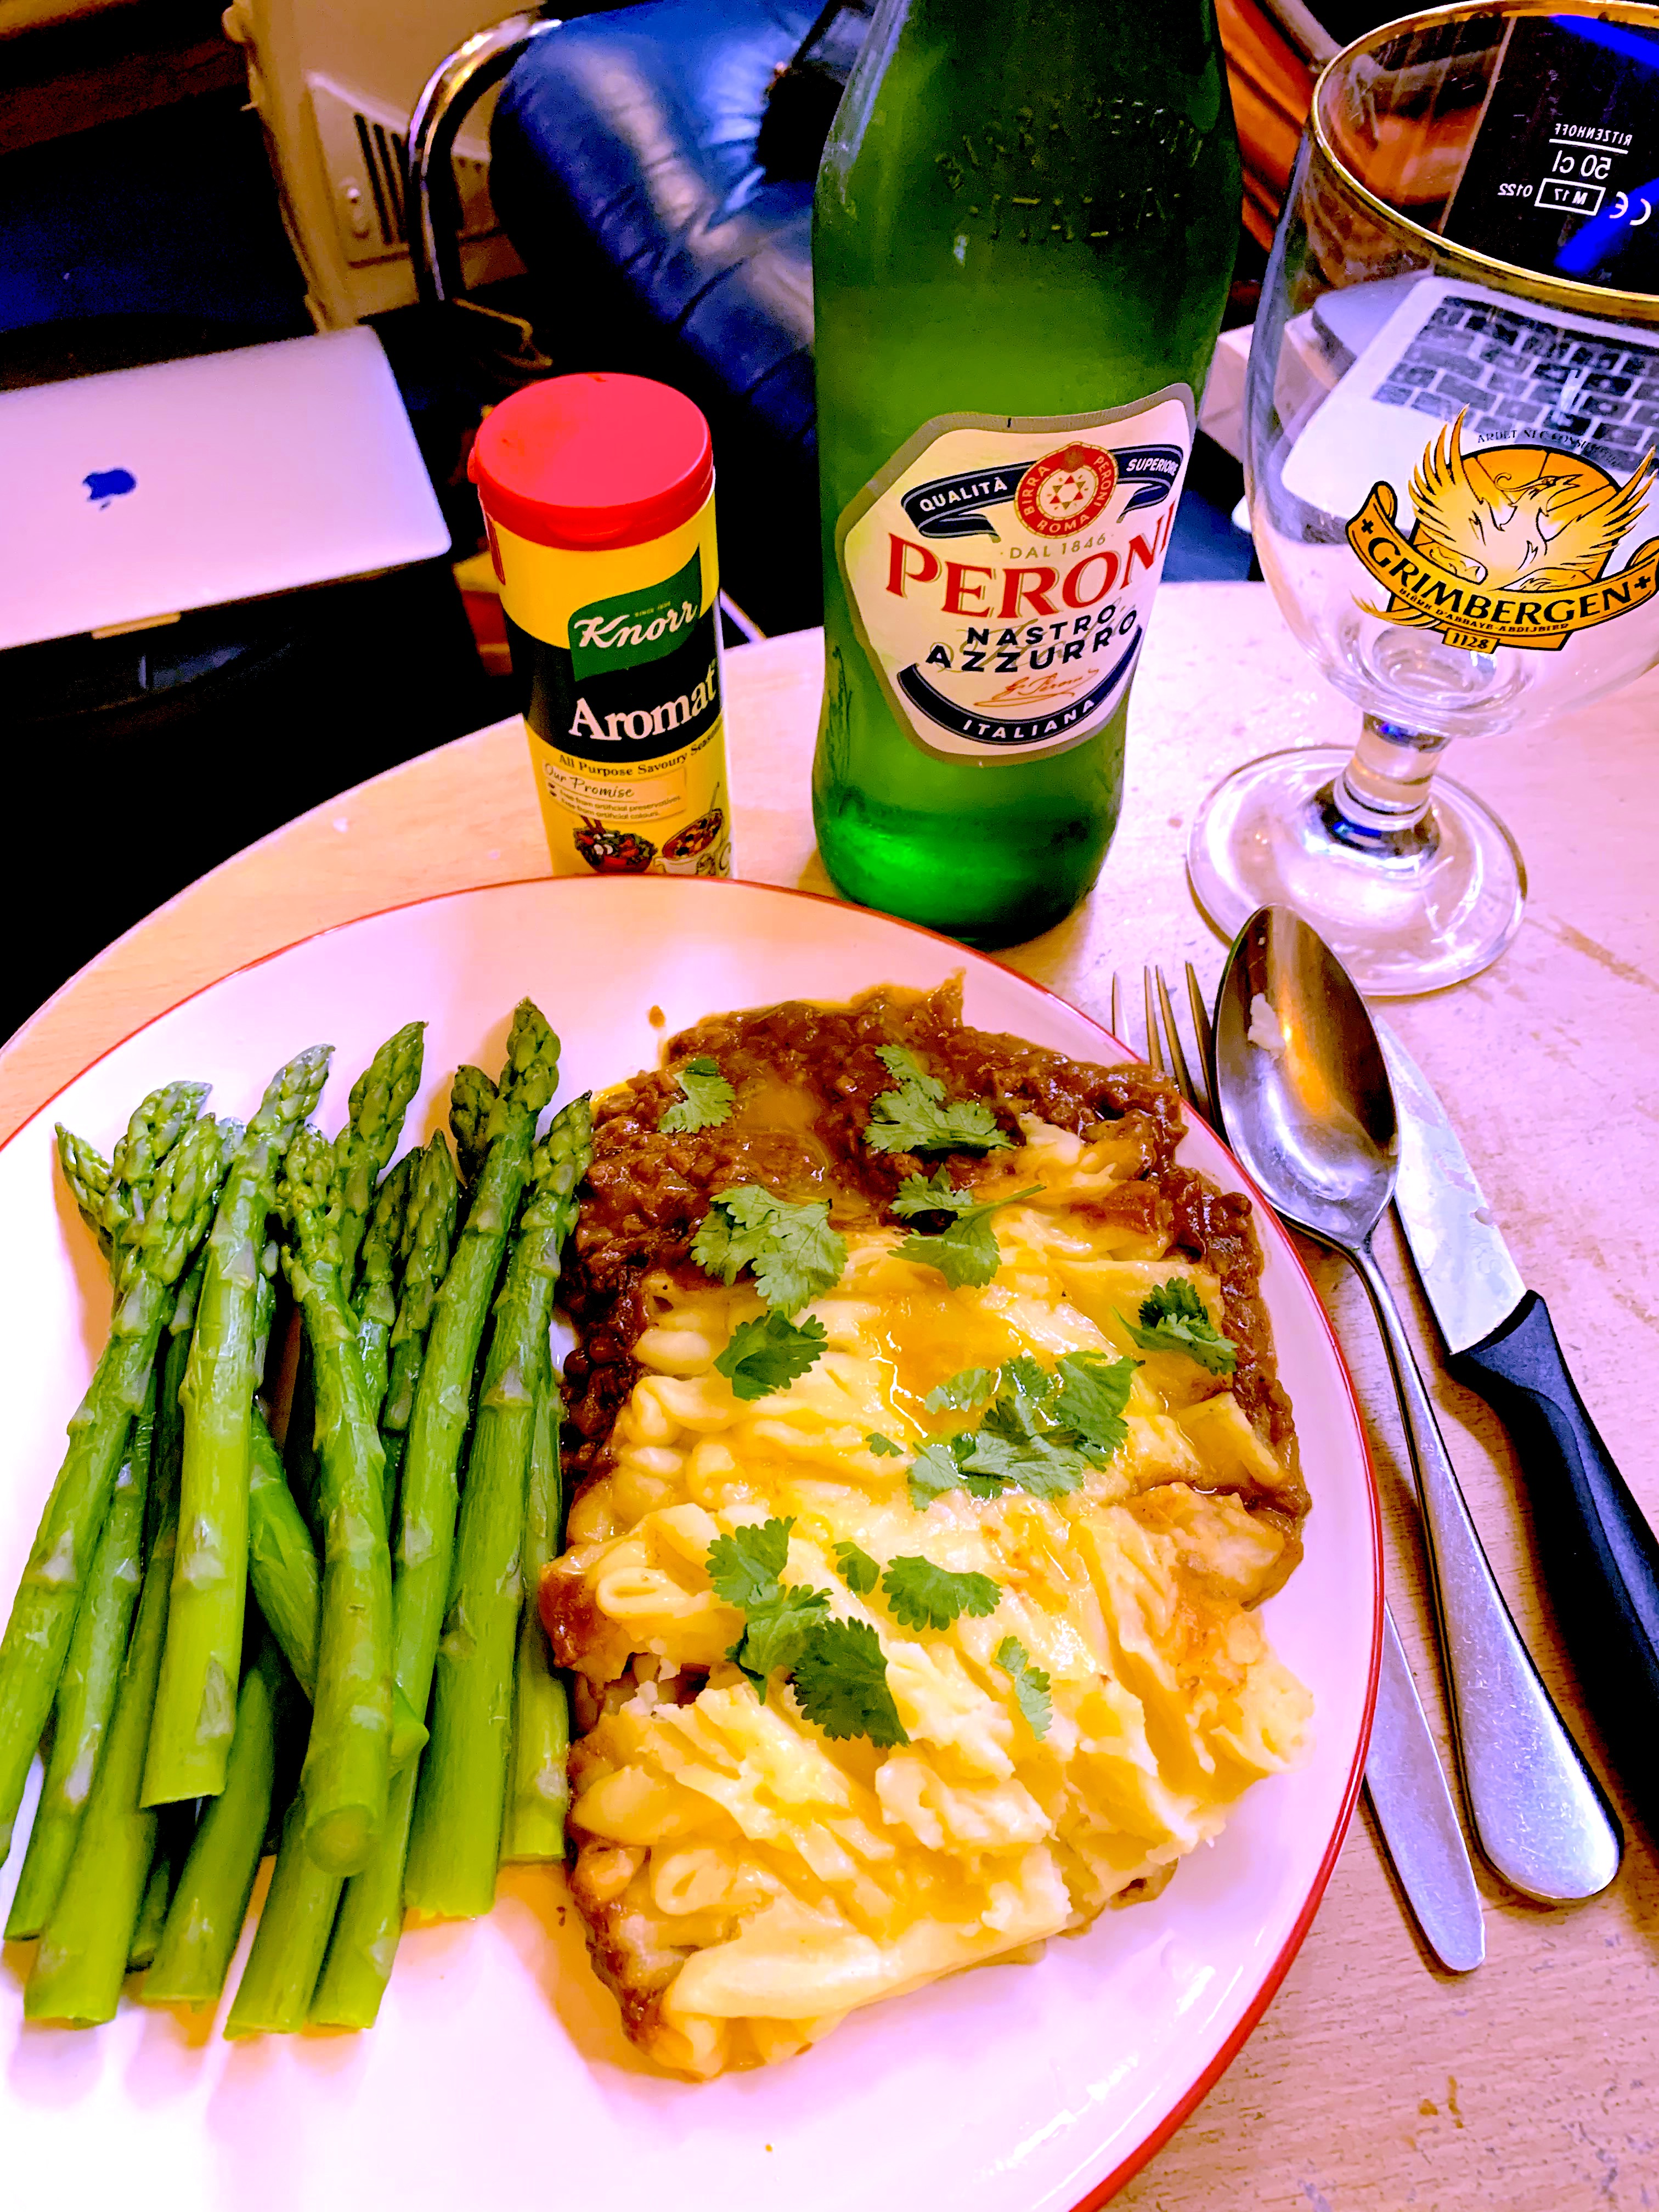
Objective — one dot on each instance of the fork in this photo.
(1405, 1781)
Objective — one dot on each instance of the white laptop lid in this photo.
(149, 492)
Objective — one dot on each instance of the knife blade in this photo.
(1601, 1558)
(1413, 1807)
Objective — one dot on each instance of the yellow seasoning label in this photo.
(1509, 546)
(619, 653)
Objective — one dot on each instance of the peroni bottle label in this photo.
(1000, 570)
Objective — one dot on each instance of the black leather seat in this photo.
(624, 168)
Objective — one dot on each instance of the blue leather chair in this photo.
(624, 169)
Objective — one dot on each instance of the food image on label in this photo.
(1023, 641)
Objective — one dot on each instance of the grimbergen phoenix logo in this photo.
(1511, 545)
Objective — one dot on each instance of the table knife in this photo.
(1600, 1557)
(1409, 1794)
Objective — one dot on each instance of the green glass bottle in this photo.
(1023, 237)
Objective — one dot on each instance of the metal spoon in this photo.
(1299, 1077)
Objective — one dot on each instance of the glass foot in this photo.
(1406, 910)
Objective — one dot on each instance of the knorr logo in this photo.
(637, 626)
(1509, 547)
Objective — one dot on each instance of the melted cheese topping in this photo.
(748, 1880)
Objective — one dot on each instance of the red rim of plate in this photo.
(1268, 1987)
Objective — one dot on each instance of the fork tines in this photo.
(1165, 1051)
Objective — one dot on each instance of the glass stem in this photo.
(1380, 802)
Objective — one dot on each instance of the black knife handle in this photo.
(1600, 1557)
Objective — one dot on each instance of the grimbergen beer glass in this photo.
(1452, 412)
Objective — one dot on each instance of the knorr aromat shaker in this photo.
(599, 497)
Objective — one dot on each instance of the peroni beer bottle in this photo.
(1022, 239)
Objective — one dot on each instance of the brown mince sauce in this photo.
(806, 1077)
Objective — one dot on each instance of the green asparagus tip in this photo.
(532, 1075)
(158, 1123)
(291, 1096)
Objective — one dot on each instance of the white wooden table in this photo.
(1375, 2082)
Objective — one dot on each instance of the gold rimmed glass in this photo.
(1450, 465)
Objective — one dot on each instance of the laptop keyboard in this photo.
(1514, 373)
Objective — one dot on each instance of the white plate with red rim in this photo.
(498, 2072)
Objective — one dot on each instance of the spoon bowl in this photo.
(1300, 1082)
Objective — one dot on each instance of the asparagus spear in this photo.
(208, 1909)
(288, 1581)
(174, 1826)
(196, 1702)
(428, 1233)
(288, 1943)
(538, 1783)
(91, 1678)
(494, 1132)
(426, 1540)
(455, 1843)
(380, 1099)
(88, 1933)
(154, 1244)
(348, 1759)
(376, 1298)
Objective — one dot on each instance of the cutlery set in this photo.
(1329, 1113)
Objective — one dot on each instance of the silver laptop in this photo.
(128, 498)
(1369, 374)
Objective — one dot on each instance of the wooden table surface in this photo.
(1375, 2082)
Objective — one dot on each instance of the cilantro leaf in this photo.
(744, 1567)
(939, 1467)
(916, 1117)
(706, 1097)
(1093, 1392)
(1031, 1685)
(922, 1595)
(934, 1194)
(965, 1253)
(777, 1632)
(856, 1568)
(841, 1682)
(967, 1387)
(1174, 1319)
(768, 1352)
(793, 1251)
(1043, 1465)
(884, 1447)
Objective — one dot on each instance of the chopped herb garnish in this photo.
(856, 1568)
(768, 1352)
(933, 1194)
(744, 1570)
(939, 1467)
(777, 1632)
(884, 1447)
(837, 1667)
(1043, 1433)
(744, 1567)
(1173, 1318)
(1031, 1685)
(840, 1681)
(965, 1253)
(922, 1595)
(793, 1251)
(916, 1117)
(969, 1386)
(706, 1098)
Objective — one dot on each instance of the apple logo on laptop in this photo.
(106, 484)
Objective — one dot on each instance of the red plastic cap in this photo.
(592, 461)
